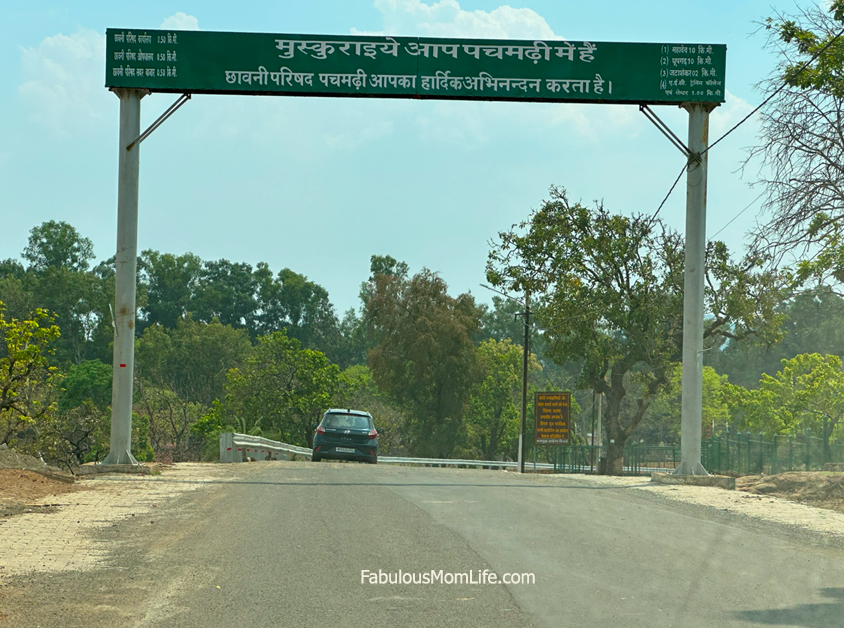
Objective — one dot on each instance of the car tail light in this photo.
(371, 453)
(373, 433)
(320, 429)
(318, 447)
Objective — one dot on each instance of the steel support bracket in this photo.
(667, 132)
(160, 120)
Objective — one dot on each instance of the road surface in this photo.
(284, 544)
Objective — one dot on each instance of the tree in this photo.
(89, 381)
(281, 388)
(178, 286)
(355, 339)
(661, 423)
(500, 323)
(79, 431)
(802, 148)
(494, 406)
(226, 291)
(171, 282)
(76, 436)
(180, 373)
(79, 300)
(609, 292)
(58, 280)
(58, 244)
(16, 295)
(289, 301)
(192, 359)
(357, 390)
(382, 266)
(424, 357)
(808, 392)
(354, 342)
(169, 419)
(11, 268)
(813, 322)
(27, 381)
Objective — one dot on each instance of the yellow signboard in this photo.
(552, 411)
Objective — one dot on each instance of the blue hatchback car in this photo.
(345, 434)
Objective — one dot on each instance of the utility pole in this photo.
(693, 284)
(592, 457)
(526, 314)
(599, 429)
(826, 455)
(525, 353)
(120, 450)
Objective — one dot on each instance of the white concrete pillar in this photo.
(120, 450)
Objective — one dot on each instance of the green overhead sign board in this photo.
(414, 67)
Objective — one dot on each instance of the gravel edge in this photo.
(802, 529)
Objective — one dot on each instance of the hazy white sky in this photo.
(319, 185)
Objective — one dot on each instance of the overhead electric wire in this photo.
(673, 185)
(745, 119)
(737, 215)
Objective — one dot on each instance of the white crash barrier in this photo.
(239, 447)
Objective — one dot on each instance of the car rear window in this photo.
(347, 421)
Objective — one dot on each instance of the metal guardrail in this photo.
(452, 462)
(238, 447)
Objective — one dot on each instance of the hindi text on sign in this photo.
(414, 67)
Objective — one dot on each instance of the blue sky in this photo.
(319, 185)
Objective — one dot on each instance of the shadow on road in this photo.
(823, 615)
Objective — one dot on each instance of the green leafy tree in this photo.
(171, 282)
(661, 423)
(180, 372)
(13, 292)
(79, 301)
(609, 292)
(89, 381)
(354, 343)
(80, 430)
(808, 392)
(500, 322)
(58, 244)
(495, 403)
(281, 387)
(226, 291)
(58, 280)
(192, 359)
(27, 381)
(289, 301)
(813, 322)
(357, 390)
(424, 356)
(11, 268)
(17, 296)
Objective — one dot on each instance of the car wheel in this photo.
(373, 461)
(316, 458)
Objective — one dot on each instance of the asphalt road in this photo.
(286, 544)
